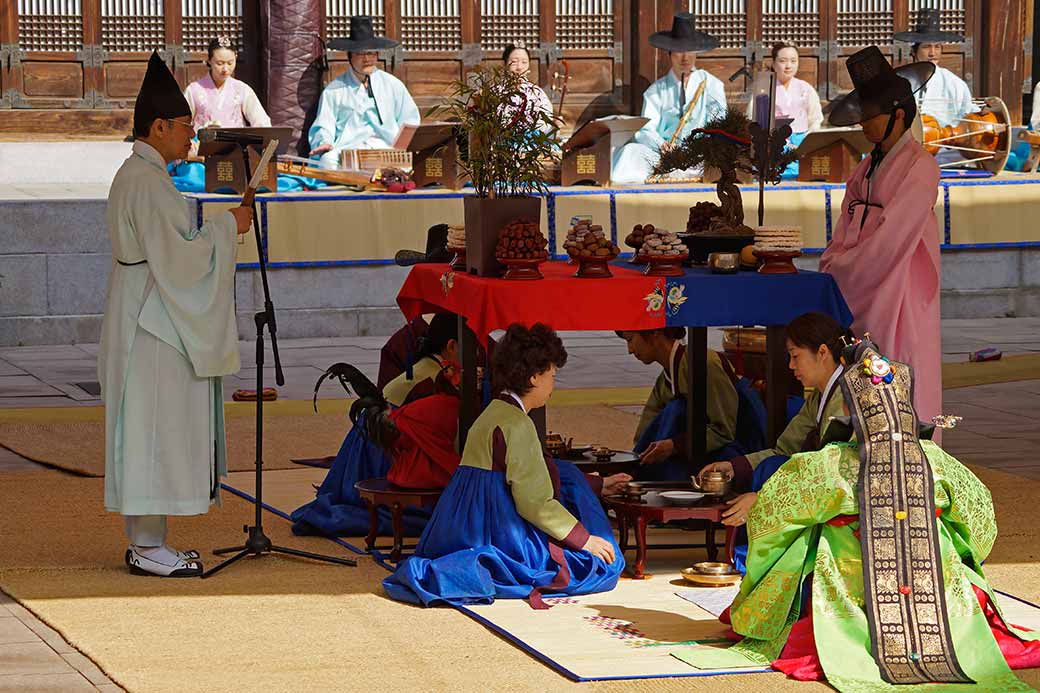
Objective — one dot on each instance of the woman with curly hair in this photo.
(513, 523)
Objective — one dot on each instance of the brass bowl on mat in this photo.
(714, 568)
(706, 580)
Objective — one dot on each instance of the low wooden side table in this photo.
(632, 513)
(381, 492)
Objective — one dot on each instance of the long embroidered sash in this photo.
(902, 568)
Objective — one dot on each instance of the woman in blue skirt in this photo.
(513, 523)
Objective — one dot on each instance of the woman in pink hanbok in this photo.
(220, 100)
(217, 100)
(885, 250)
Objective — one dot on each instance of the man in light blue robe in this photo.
(946, 97)
(665, 101)
(168, 336)
(364, 108)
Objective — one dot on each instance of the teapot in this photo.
(713, 483)
(555, 443)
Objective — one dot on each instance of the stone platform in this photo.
(54, 264)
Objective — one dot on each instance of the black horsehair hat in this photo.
(160, 96)
(683, 37)
(362, 38)
(928, 29)
(879, 88)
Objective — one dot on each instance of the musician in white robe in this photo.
(168, 335)
(946, 97)
(665, 101)
(365, 107)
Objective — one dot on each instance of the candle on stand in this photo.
(761, 109)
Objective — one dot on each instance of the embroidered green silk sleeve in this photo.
(790, 539)
(799, 428)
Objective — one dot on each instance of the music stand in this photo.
(257, 543)
(435, 154)
(225, 172)
(831, 155)
(589, 154)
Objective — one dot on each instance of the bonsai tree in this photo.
(509, 139)
(725, 143)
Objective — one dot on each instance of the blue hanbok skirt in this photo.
(477, 548)
(670, 423)
(338, 510)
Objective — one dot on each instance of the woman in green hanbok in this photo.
(865, 559)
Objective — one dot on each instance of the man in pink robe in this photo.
(884, 253)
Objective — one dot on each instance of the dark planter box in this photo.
(484, 219)
(702, 244)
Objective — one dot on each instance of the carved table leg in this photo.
(622, 525)
(398, 519)
(709, 541)
(373, 525)
(731, 540)
(640, 564)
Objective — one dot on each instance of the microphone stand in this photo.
(257, 543)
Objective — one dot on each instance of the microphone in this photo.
(211, 135)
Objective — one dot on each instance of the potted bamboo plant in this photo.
(508, 140)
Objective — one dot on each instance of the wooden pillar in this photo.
(469, 16)
(643, 23)
(248, 67)
(10, 69)
(753, 29)
(830, 55)
(975, 37)
(1003, 55)
(392, 16)
(547, 40)
(291, 64)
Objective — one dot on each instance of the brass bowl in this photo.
(705, 580)
(724, 263)
(714, 568)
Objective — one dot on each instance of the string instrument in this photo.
(387, 178)
(932, 133)
(559, 83)
(983, 137)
